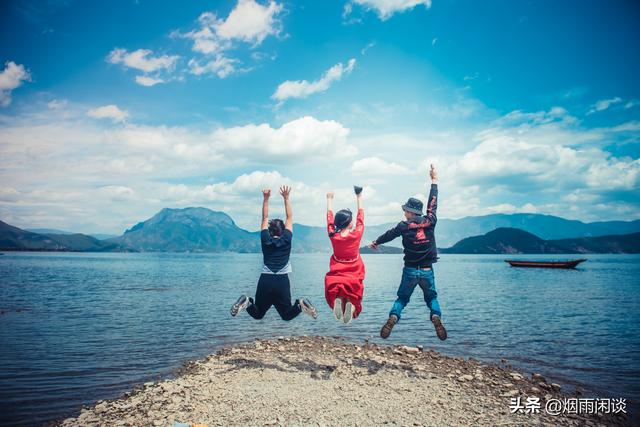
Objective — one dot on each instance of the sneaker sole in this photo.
(337, 309)
(310, 311)
(237, 308)
(386, 329)
(348, 313)
(441, 332)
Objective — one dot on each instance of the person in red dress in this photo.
(343, 284)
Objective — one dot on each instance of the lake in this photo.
(79, 327)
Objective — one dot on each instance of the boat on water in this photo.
(545, 264)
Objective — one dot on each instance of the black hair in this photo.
(342, 219)
(276, 227)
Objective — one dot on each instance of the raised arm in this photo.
(432, 203)
(360, 214)
(330, 228)
(358, 191)
(266, 193)
(284, 192)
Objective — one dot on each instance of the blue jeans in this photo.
(410, 278)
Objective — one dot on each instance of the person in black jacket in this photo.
(420, 254)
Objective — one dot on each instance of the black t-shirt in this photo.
(276, 251)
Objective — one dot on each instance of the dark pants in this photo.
(274, 289)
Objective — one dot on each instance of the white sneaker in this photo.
(349, 309)
(337, 308)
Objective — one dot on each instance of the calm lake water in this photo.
(77, 328)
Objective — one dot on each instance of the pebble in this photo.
(465, 377)
(556, 387)
(538, 378)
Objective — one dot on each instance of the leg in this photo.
(407, 285)
(427, 282)
(261, 305)
(282, 298)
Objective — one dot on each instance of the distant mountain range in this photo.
(204, 230)
(515, 241)
(450, 231)
(14, 238)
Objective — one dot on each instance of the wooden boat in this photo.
(544, 264)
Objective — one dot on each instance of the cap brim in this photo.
(408, 209)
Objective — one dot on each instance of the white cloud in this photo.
(58, 104)
(250, 21)
(118, 193)
(631, 103)
(304, 88)
(108, 112)
(603, 104)
(148, 81)
(214, 39)
(306, 136)
(386, 8)
(220, 66)
(375, 166)
(142, 59)
(11, 78)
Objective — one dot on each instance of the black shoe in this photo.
(441, 332)
(242, 303)
(308, 308)
(386, 329)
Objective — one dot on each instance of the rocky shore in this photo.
(328, 381)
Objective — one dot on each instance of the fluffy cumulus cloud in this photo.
(215, 38)
(386, 8)
(303, 137)
(145, 61)
(375, 166)
(11, 78)
(123, 172)
(111, 112)
(250, 21)
(304, 88)
(523, 164)
(140, 165)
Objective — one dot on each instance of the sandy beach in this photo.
(328, 381)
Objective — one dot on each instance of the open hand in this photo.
(285, 190)
(266, 193)
(330, 195)
(433, 173)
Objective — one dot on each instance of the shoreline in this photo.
(320, 380)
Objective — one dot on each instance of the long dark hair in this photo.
(341, 221)
(276, 227)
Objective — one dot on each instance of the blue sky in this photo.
(112, 110)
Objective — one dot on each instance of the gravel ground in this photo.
(328, 381)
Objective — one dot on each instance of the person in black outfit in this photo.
(274, 287)
(420, 254)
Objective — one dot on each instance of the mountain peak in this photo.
(190, 215)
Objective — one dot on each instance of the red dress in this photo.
(346, 269)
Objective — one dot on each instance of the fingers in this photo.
(285, 190)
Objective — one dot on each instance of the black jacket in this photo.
(417, 234)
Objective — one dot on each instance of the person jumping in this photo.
(274, 287)
(420, 254)
(343, 284)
